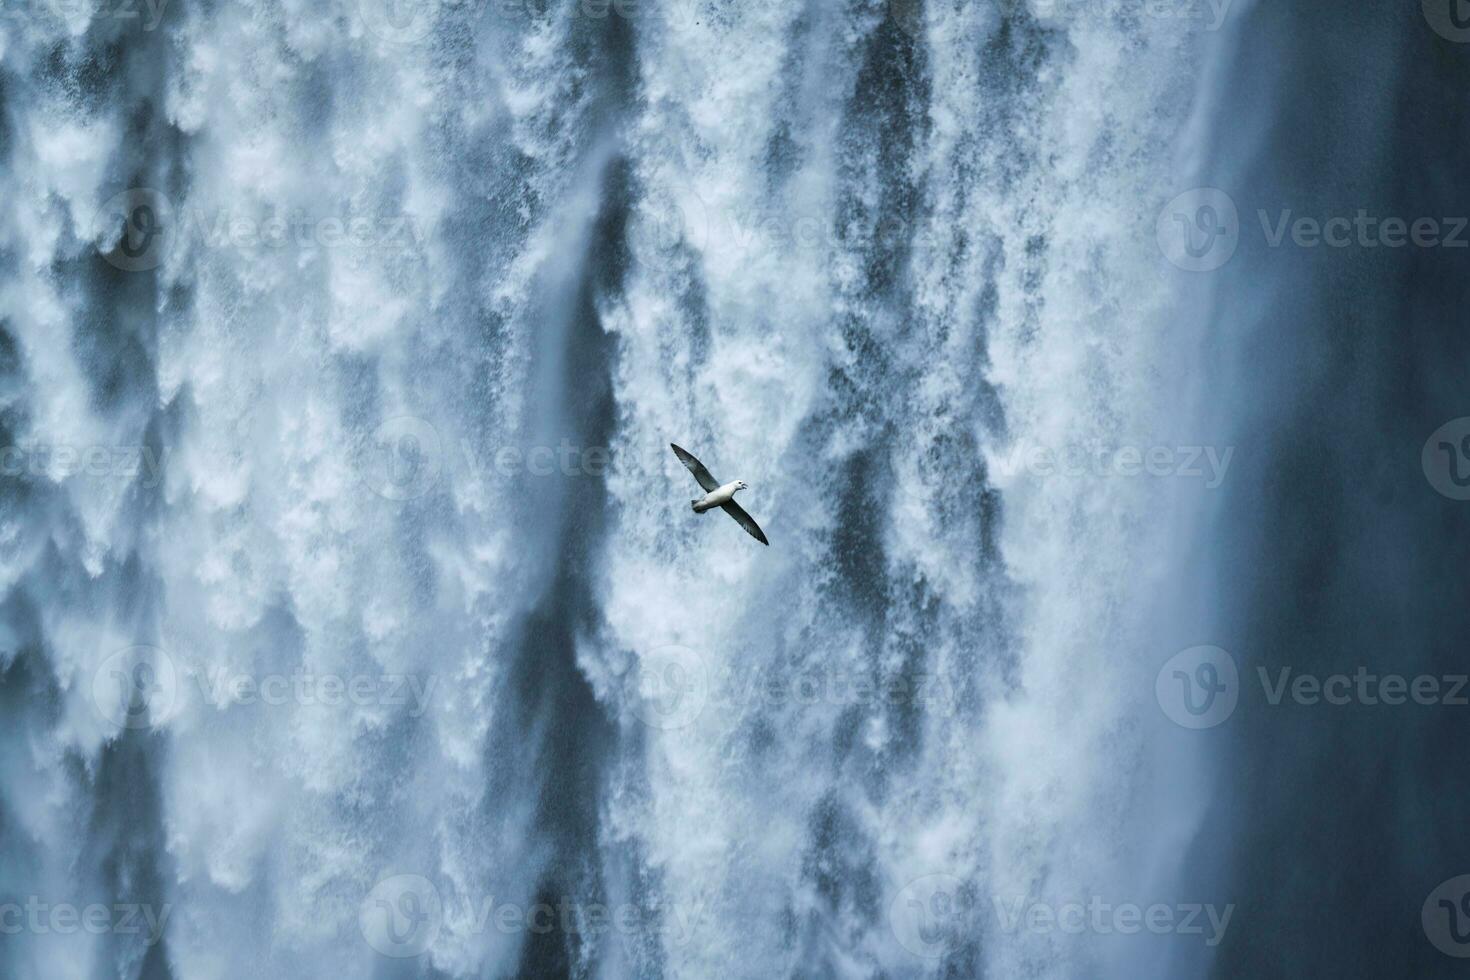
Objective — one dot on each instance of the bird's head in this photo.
(740, 485)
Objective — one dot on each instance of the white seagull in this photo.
(717, 495)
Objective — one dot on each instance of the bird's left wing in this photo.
(745, 520)
(694, 466)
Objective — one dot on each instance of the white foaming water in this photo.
(865, 252)
(1026, 315)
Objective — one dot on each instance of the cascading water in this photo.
(355, 619)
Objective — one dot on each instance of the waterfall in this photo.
(356, 621)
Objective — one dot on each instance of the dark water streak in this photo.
(1329, 367)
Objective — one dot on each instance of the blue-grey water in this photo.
(355, 621)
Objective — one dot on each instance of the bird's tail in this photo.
(694, 505)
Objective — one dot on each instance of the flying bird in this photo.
(718, 495)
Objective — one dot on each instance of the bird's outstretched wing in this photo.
(746, 521)
(697, 468)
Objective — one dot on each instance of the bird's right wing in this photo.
(745, 520)
(697, 468)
